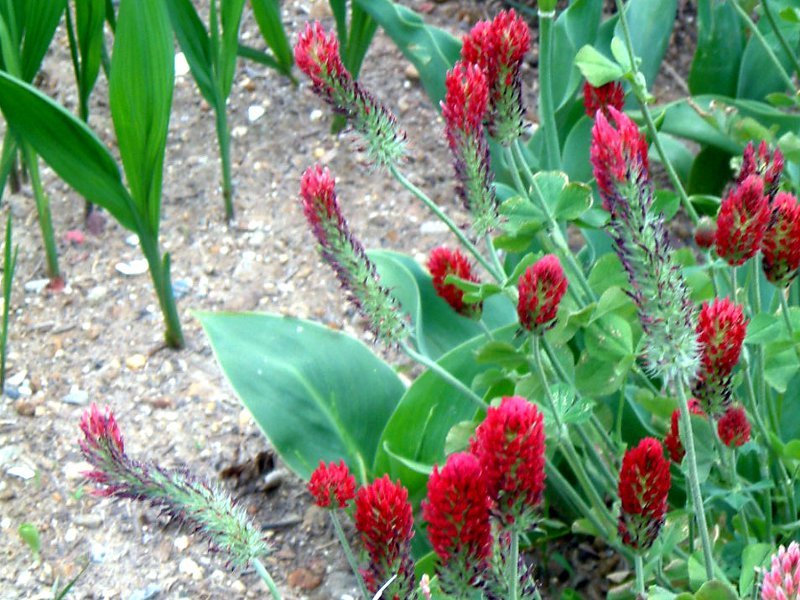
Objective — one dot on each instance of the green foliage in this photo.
(9, 266)
(86, 47)
(268, 17)
(30, 535)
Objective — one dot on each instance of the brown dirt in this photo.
(100, 339)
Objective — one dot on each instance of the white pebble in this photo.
(181, 65)
(255, 112)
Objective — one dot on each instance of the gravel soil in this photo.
(100, 339)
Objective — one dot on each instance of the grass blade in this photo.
(41, 19)
(193, 39)
(231, 17)
(9, 266)
(89, 18)
(268, 18)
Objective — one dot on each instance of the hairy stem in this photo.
(348, 553)
(267, 578)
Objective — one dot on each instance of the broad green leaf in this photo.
(89, 18)
(231, 18)
(594, 379)
(609, 338)
(194, 41)
(716, 590)
(140, 94)
(576, 151)
(650, 23)
(758, 75)
(781, 365)
(703, 446)
(606, 273)
(432, 50)
(720, 43)
(268, 18)
(41, 19)
(549, 185)
(362, 30)
(574, 200)
(710, 171)
(316, 393)
(68, 146)
(596, 68)
(754, 556)
(423, 469)
(30, 535)
(574, 28)
(764, 328)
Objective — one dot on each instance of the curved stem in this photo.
(547, 115)
(267, 578)
(694, 480)
(640, 90)
(348, 553)
(446, 220)
(444, 374)
(779, 34)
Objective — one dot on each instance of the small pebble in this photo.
(411, 72)
(24, 407)
(432, 227)
(255, 112)
(136, 362)
(11, 391)
(97, 293)
(36, 286)
(132, 268)
(315, 115)
(181, 543)
(148, 593)
(76, 396)
(89, 521)
(17, 379)
(22, 471)
(181, 65)
(180, 287)
(239, 131)
(132, 240)
(188, 567)
(97, 553)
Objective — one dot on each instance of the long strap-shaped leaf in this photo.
(140, 90)
(193, 39)
(41, 19)
(68, 146)
(89, 18)
(268, 18)
(231, 17)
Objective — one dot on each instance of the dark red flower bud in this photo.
(742, 221)
(672, 440)
(768, 166)
(734, 428)
(704, 233)
(644, 482)
(781, 245)
(331, 484)
(443, 262)
(541, 288)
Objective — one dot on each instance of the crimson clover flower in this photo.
(721, 329)
(463, 110)
(498, 48)
(742, 221)
(204, 506)
(667, 314)
(704, 233)
(781, 244)
(600, 98)
(345, 254)
(782, 580)
(541, 288)
(317, 55)
(509, 445)
(734, 428)
(672, 441)
(385, 523)
(331, 484)
(457, 511)
(768, 166)
(644, 482)
(443, 262)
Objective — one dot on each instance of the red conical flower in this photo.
(672, 440)
(332, 483)
(734, 428)
(767, 166)
(457, 512)
(742, 221)
(721, 329)
(781, 245)
(644, 482)
(510, 447)
(463, 109)
(385, 522)
(618, 156)
(443, 262)
(541, 288)
(498, 47)
(601, 98)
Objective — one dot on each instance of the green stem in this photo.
(444, 374)
(224, 142)
(43, 210)
(513, 575)
(267, 578)
(162, 282)
(640, 90)
(639, 567)
(764, 44)
(446, 220)
(495, 258)
(779, 34)
(348, 553)
(547, 116)
(564, 486)
(694, 480)
(780, 292)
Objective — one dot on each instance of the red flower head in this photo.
(643, 487)
(317, 55)
(742, 221)
(443, 262)
(332, 483)
(385, 522)
(541, 288)
(672, 440)
(781, 245)
(510, 447)
(603, 97)
(782, 580)
(464, 105)
(618, 156)
(768, 167)
(103, 447)
(704, 234)
(459, 528)
(498, 48)
(734, 428)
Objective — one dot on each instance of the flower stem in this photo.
(348, 553)
(444, 374)
(779, 34)
(43, 211)
(694, 480)
(639, 86)
(513, 575)
(224, 142)
(264, 574)
(162, 282)
(639, 567)
(547, 116)
(495, 258)
(780, 292)
(764, 44)
(446, 220)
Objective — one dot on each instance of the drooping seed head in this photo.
(601, 98)
(510, 446)
(781, 244)
(742, 221)
(734, 428)
(644, 482)
(332, 485)
(443, 262)
(541, 288)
